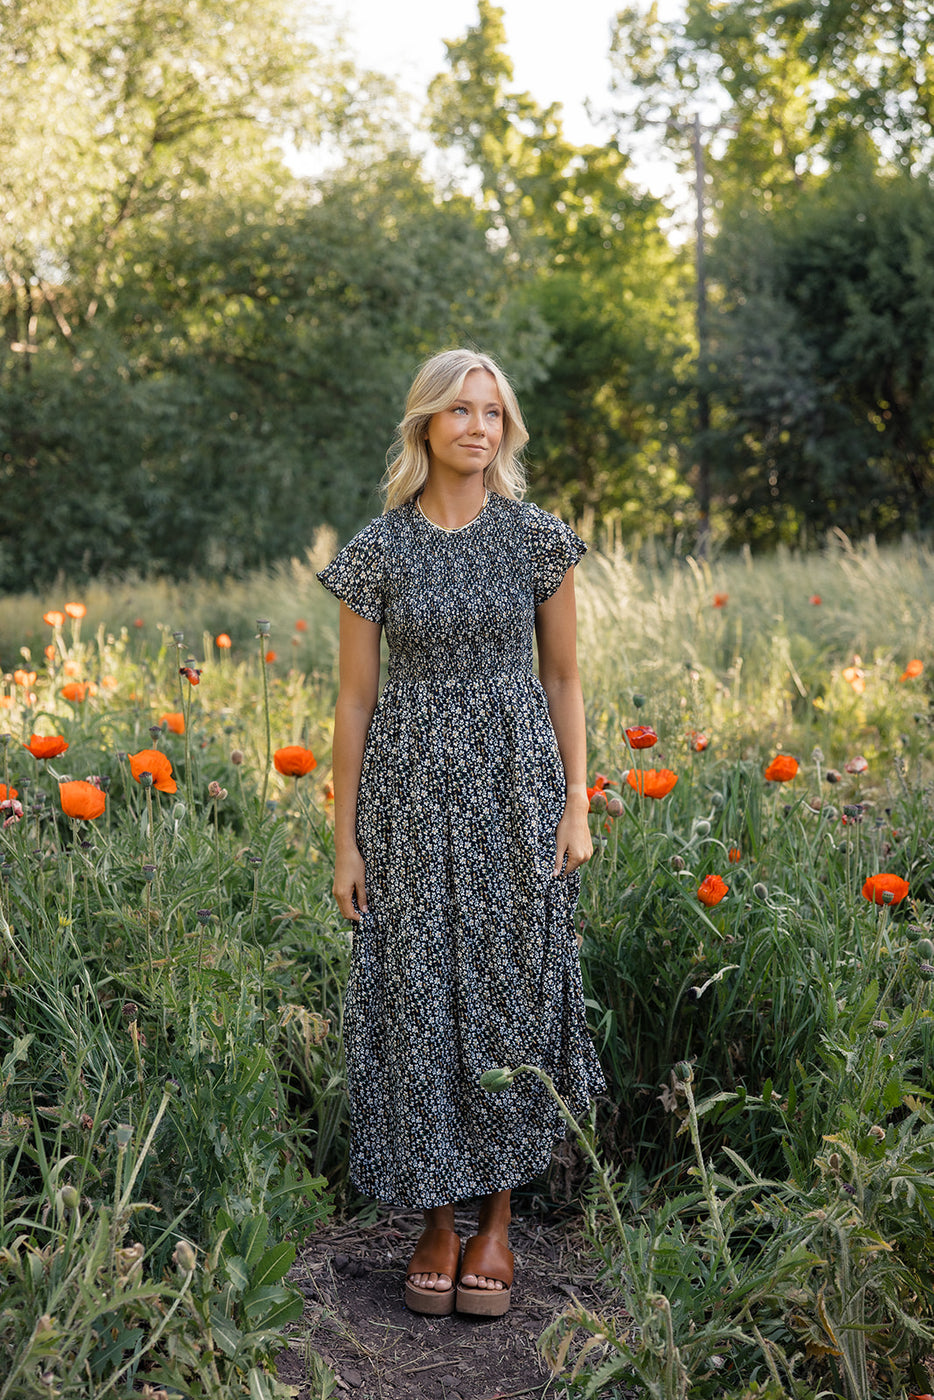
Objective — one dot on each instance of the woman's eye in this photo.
(458, 408)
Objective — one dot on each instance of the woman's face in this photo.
(464, 438)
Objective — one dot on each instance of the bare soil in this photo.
(352, 1277)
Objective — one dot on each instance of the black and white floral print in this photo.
(467, 957)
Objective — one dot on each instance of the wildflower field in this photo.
(757, 946)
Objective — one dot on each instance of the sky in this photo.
(559, 48)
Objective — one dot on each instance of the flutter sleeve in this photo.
(553, 548)
(356, 574)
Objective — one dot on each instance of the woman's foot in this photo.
(485, 1287)
(429, 1283)
(495, 1215)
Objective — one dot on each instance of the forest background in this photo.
(204, 354)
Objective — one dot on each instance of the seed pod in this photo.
(184, 1257)
(496, 1079)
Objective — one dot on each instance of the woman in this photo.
(460, 822)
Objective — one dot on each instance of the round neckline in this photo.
(456, 529)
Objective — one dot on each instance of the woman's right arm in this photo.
(356, 701)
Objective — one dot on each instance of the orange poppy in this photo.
(82, 801)
(720, 600)
(155, 763)
(652, 782)
(600, 782)
(643, 736)
(137, 622)
(76, 610)
(815, 599)
(49, 652)
(698, 741)
(24, 678)
(174, 721)
(301, 625)
(734, 855)
(76, 691)
(294, 761)
(782, 769)
(855, 676)
(914, 668)
(270, 657)
(857, 764)
(223, 641)
(7, 794)
(878, 886)
(711, 890)
(54, 619)
(46, 746)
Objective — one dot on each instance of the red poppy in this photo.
(643, 736)
(652, 782)
(76, 692)
(711, 890)
(301, 625)
(7, 794)
(914, 668)
(270, 657)
(734, 855)
(878, 886)
(857, 764)
(46, 746)
(82, 801)
(328, 791)
(782, 769)
(24, 678)
(54, 619)
(138, 622)
(815, 599)
(76, 610)
(153, 762)
(294, 761)
(192, 673)
(174, 721)
(223, 641)
(698, 741)
(720, 600)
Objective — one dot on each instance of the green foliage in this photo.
(824, 360)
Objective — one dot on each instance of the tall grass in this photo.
(173, 1113)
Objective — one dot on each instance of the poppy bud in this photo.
(760, 890)
(880, 1029)
(834, 1160)
(236, 757)
(614, 807)
(638, 701)
(598, 802)
(263, 626)
(926, 971)
(68, 1199)
(676, 863)
(702, 827)
(496, 1079)
(925, 949)
(684, 1071)
(184, 1257)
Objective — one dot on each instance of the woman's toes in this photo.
(441, 1282)
(470, 1280)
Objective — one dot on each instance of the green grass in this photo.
(170, 1060)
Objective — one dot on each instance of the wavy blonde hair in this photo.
(435, 387)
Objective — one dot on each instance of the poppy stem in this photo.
(263, 667)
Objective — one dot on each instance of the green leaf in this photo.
(273, 1266)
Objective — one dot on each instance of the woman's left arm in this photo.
(556, 633)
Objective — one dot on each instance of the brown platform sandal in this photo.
(485, 1257)
(437, 1252)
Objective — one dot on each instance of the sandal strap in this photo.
(485, 1257)
(437, 1252)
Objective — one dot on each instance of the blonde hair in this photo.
(434, 388)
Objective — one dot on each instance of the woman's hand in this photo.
(350, 884)
(573, 839)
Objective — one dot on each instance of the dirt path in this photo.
(355, 1318)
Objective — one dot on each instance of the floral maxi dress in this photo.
(467, 957)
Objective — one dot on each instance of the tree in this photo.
(825, 360)
(585, 250)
